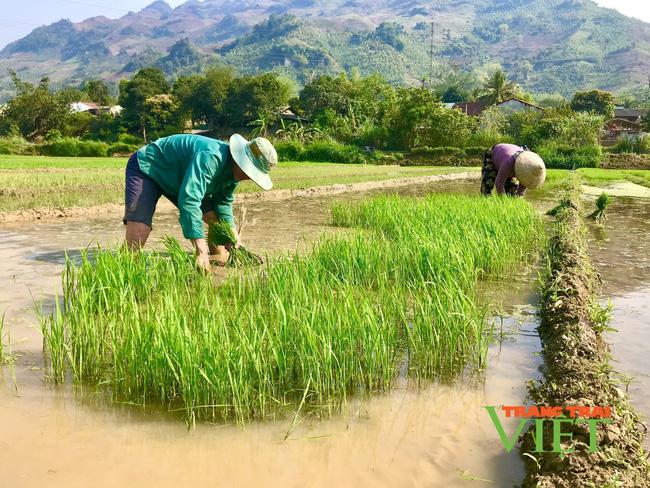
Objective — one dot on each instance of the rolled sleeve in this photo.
(193, 189)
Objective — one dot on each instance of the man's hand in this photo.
(202, 254)
(237, 237)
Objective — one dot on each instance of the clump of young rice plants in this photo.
(310, 328)
(602, 202)
(220, 233)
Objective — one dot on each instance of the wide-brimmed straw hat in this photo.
(530, 170)
(255, 158)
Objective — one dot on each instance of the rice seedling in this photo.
(306, 330)
(220, 233)
(602, 202)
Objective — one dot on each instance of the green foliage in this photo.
(561, 156)
(70, 146)
(330, 151)
(122, 148)
(646, 121)
(77, 124)
(145, 84)
(257, 98)
(453, 94)
(640, 145)
(389, 33)
(594, 102)
(182, 57)
(562, 126)
(16, 145)
(322, 151)
(444, 156)
(410, 113)
(105, 127)
(202, 96)
(487, 139)
(36, 109)
(438, 151)
(160, 115)
(98, 91)
(551, 100)
(446, 127)
(290, 150)
(498, 88)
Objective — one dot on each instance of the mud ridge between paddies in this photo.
(578, 372)
(51, 213)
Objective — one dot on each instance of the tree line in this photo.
(348, 109)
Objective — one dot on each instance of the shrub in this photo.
(569, 157)
(628, 145)
(71, 147)
(486, 139)
(623, 146)
(122, 148)
(323, 151)
(130, 139)
(92, 148)
(333, 152)
(289, 150)
(16, 145)
(476, 151)
(435, 152)
(443, 156)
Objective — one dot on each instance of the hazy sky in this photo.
(19, 17)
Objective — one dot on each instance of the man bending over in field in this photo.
(198, 175)
(511, 169)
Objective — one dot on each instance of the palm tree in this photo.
(498, 88)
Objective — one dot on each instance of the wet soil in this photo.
(54, 213)
(437, 436)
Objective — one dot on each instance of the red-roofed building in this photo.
(511, 105)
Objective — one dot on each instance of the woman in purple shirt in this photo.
(512, 170)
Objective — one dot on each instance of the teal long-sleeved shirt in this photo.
(190, 169)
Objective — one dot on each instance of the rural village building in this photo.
(626, 124)
(95, 109)
(509, 106)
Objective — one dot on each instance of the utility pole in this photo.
(431, 59)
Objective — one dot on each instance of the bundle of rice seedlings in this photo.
(603, 201)
(220, 233)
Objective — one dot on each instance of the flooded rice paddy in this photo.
(436, 436)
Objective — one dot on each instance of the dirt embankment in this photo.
(49, 213)
(626, 161)
(578, 372)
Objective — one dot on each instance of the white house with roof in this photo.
(95, 109)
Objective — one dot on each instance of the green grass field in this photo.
(37, 182)
(601, 177)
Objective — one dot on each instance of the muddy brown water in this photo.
(436, 436)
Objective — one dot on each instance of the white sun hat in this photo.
(255, 158)
(530, 170)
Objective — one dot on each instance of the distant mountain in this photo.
(546, 45)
